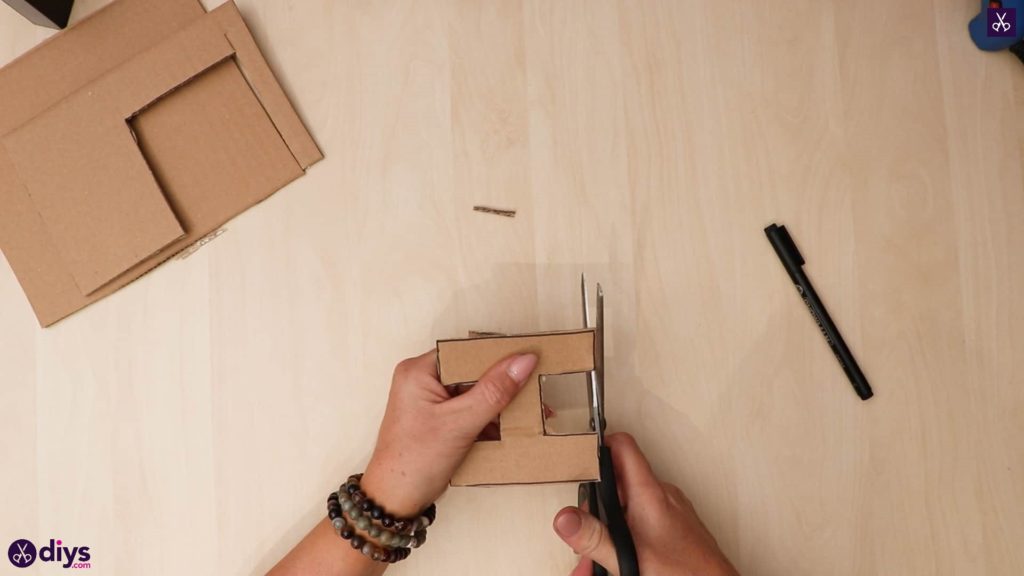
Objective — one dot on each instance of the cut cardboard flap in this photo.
(180, 127)
(524, 454)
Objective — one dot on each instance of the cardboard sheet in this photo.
(524, 455)
(130, 136)
(81, 166)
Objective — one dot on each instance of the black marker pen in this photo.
(793, 262)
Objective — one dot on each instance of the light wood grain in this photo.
(193, 422)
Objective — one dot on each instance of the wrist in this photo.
(354, 561)
(322, 552)
(722, 567)
(394, 489)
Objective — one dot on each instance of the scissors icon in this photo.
(601, 498)
(22, 557)
(1002, 25)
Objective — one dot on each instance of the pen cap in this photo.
(784, 246)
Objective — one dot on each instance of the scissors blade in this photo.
(593, 387)
(585, 300)
(599, 364)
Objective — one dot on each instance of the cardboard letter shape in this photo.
(524, 454)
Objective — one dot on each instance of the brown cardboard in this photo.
(129, 137)
(96, 151)
(524, 455)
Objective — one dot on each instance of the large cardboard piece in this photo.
(130, 136)
(524, 455)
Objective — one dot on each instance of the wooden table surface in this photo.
(194, 422)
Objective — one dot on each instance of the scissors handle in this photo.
(615, 518)
(588, 500)
(602, 500)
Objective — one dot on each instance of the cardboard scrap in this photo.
(496, 211)
(524, 454)
(129, 137)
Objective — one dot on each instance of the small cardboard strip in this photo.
(524, 455)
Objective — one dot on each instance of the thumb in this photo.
(485, 400)
(587, 537)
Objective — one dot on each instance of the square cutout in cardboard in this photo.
(565, 400)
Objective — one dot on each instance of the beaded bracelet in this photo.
(396, 536)
(401, 525)
(348, 532)
(364, 522)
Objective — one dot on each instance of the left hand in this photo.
(426, 433)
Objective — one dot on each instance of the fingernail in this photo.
(521, 367)
(568, 523)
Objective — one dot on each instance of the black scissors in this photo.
(601, 498)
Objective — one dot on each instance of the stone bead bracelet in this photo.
(365, 504)
(348, 532)
(387, 538)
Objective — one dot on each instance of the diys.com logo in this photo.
(23, 553)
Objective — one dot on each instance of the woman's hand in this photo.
(670, 539)
(426, 433)
(423, 438)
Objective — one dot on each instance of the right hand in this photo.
(670, 539)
